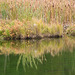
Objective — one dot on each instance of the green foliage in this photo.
(7, 32)
(1, 32)
(4, 8)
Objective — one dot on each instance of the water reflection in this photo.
(42, 56)
(37, 48)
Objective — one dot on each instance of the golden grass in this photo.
(71, 30)
(62, 11)
(36, 17)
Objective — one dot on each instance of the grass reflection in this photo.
(31, 50)
(37, 47)
(28, 60)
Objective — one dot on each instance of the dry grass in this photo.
(49, 15)
(71, 30)
(62, 11)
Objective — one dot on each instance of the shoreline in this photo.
(31, 38)
(20, 30)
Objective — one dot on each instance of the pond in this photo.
(38, 57)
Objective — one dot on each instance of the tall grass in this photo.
(35, 17)
(60, 11)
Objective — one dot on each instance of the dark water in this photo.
(38, 57)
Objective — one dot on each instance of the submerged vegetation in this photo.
(35, 18)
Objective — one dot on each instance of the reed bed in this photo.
(62, 11)
(53, 15)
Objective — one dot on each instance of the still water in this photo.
(38, 57)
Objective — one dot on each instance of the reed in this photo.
(24, 18)
(50, 11)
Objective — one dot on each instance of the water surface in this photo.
(38, 57)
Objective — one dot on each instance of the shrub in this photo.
(31, 28)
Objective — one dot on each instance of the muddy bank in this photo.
(32, 37)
